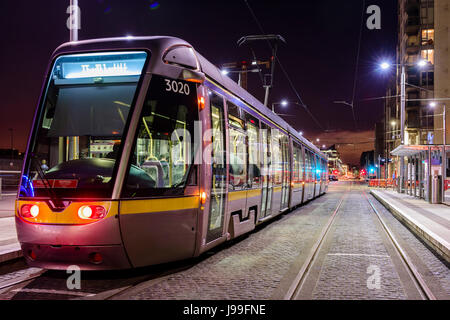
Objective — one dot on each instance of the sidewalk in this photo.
(9, 246)
(430, 222)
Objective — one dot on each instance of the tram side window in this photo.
(254, 171)
(163, 150)
(298, 164)
(238, 149)
(314, 167)
(309, 166)
(277, 164)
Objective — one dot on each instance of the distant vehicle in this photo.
(333, 177)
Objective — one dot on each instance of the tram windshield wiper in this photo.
(41, 174)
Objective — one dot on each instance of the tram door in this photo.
(266, 172)
(219, 173)
(285, 160)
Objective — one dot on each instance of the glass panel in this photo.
(253, 155)
(266, 172)
(286, 174)
(218, 184)
(164, 147)
(238, 160)
(277, 157)
(81, 125)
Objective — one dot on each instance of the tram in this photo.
(142, 153)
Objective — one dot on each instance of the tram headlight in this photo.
(29, 211)
(91, 212)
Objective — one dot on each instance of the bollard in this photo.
(436, 190)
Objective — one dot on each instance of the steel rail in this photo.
(417, 278)
(301, 275)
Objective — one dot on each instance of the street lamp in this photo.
(284, 103)
(386, 65)
(226, 72)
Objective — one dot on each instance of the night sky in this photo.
(320, 54)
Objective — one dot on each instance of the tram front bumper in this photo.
(84, 257)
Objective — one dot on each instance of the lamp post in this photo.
(444, 143)
(74, 19)
(385, 66)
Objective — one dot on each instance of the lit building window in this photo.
(427, 36)
(428, 55)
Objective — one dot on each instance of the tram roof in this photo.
(160, 44)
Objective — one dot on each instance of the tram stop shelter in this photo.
(424, 172)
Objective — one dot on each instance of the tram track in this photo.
(426, 292)
(35, 283)
(303, 272)
(312, 258)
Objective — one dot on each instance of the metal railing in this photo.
(9, 181)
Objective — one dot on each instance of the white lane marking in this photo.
(49, 291)
(359, 254)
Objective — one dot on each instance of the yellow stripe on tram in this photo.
(277, 189)
(158, 205)
(238, 195)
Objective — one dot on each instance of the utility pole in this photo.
(444, 154)
(74, 20)
(402, 125)
(12, 143)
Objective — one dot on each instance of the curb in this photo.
(422, 233)
(10, 253)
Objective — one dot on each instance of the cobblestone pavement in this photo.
(252, 268)
(262, 264)
(355, 245)
(255, 267)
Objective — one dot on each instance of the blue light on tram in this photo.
(26, 189)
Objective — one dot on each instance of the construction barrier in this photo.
(388, 183)
(382, 183)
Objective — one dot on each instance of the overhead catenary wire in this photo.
(355, 78)
(291, 84)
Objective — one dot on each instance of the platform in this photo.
(9, 245)
(430, 222)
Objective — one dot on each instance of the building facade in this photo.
(423, 34)
(334, 160)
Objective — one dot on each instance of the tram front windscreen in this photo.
(75, 148)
